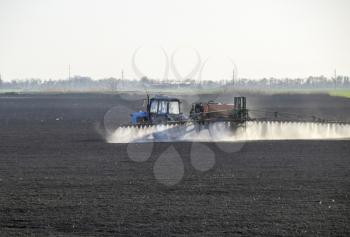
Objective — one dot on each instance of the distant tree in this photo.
(145, 80)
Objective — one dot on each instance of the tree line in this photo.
(82, 83)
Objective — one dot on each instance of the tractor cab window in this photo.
(154, 106)
(174, 107)
(162, 107)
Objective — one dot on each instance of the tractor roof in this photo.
(164, 97)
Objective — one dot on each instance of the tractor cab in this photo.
(160, 109)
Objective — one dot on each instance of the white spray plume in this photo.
(220, 132)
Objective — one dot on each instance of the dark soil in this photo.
(58, 176)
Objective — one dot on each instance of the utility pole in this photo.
(122, 77)
(233, 77)
(335, 79)
(68, 71)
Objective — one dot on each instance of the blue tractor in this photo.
(160, 110)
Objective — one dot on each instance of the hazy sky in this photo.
(265, 38)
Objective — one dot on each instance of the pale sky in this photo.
(265, 38)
